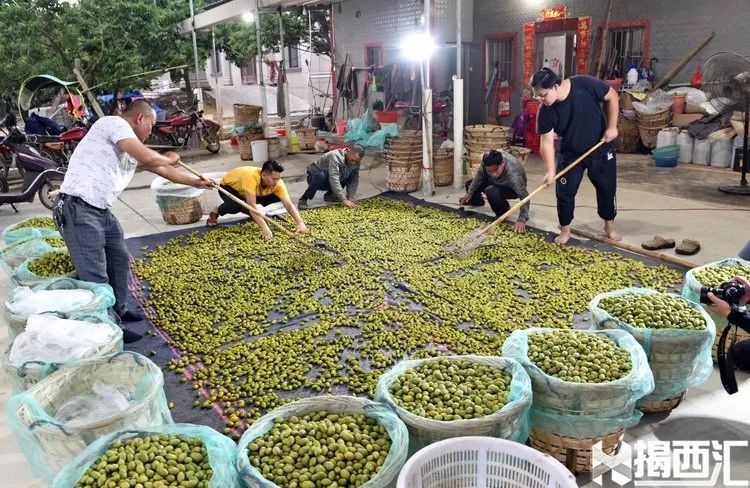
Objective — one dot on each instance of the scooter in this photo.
(40, 175)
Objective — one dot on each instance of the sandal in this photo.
(658, 242)
(212, 220)
(688, 247)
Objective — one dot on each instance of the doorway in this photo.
(557, 51)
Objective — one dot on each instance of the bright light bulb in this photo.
(248, 17)
(418, 46)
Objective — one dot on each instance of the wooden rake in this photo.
(318, 246)
(474, 239)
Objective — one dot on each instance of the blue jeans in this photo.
(319, 181)
(96, 245)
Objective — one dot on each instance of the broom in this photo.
(319, 245)
(470, 242)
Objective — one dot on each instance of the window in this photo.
(500, 52)
(624, 46)
(247, 73)
(374, 55)
(292, 57)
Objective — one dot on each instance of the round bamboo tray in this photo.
(574, 453)
(245, 113)
(442, 168)
(403, 177)
(306, 136)
(486, 129)
(188, 212)
(244, 140)
(666, 405)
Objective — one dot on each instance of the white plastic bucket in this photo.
(721, 153)
(701, 151)
(686, 147)
(477, 462)
(667, 137)
(260, 151)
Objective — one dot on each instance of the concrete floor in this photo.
(677, 203)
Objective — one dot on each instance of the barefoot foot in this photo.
(563, 237)
(609, 229)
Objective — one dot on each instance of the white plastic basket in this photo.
(483, 462)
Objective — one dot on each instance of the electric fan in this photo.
(726, 81)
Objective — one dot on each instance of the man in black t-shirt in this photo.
(572, 109)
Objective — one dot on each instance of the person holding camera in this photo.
(736, 317)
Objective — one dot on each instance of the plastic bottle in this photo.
(632, 76)
(701, 151)
(686, 146)
(667, 137)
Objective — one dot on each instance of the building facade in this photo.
(513, 36)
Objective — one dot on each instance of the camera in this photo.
(731, 292)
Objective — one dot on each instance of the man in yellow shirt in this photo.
(256, 186)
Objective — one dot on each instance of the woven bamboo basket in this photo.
(56, 443)
(244, 114)
(30, 373)
(520, 153)
(666, 405)
(473, 163)
(442, 168)
(649, 125)
(574, 453)
(628, 135)
(188, 212)
(244, 140)
(307, 137)
(482, 129)
(403, 176)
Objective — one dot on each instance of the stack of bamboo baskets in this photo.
(247, 116)
(481, 138)
(403, 158)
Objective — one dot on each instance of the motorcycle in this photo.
(442, 114)
(40, 175)
(178, 132)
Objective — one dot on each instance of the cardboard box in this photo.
(683, 120)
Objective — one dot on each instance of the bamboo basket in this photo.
(473, 163)
(30, 373)
(628, 135)
(666, 405)
(244, 140)
(307, 137)
(243, 114)
(187, 212)
(574, 453)
(520, 153)
(442, 168)
(403, 176)
(56, 443)
(649, 125)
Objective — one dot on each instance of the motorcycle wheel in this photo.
(212, 142)
(45, 192)
(4, 187)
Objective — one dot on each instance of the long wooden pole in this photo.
(634, 249)
(673, 72)
(86, 90)
(520, 204)
(605, 31)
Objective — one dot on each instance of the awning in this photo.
(224, 11)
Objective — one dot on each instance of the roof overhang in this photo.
(233, 9)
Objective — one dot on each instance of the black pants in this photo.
(497, 195)
(231, 207)
(741, 355)
(319, 181)
(602, 170)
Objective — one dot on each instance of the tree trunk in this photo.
(188, 87)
